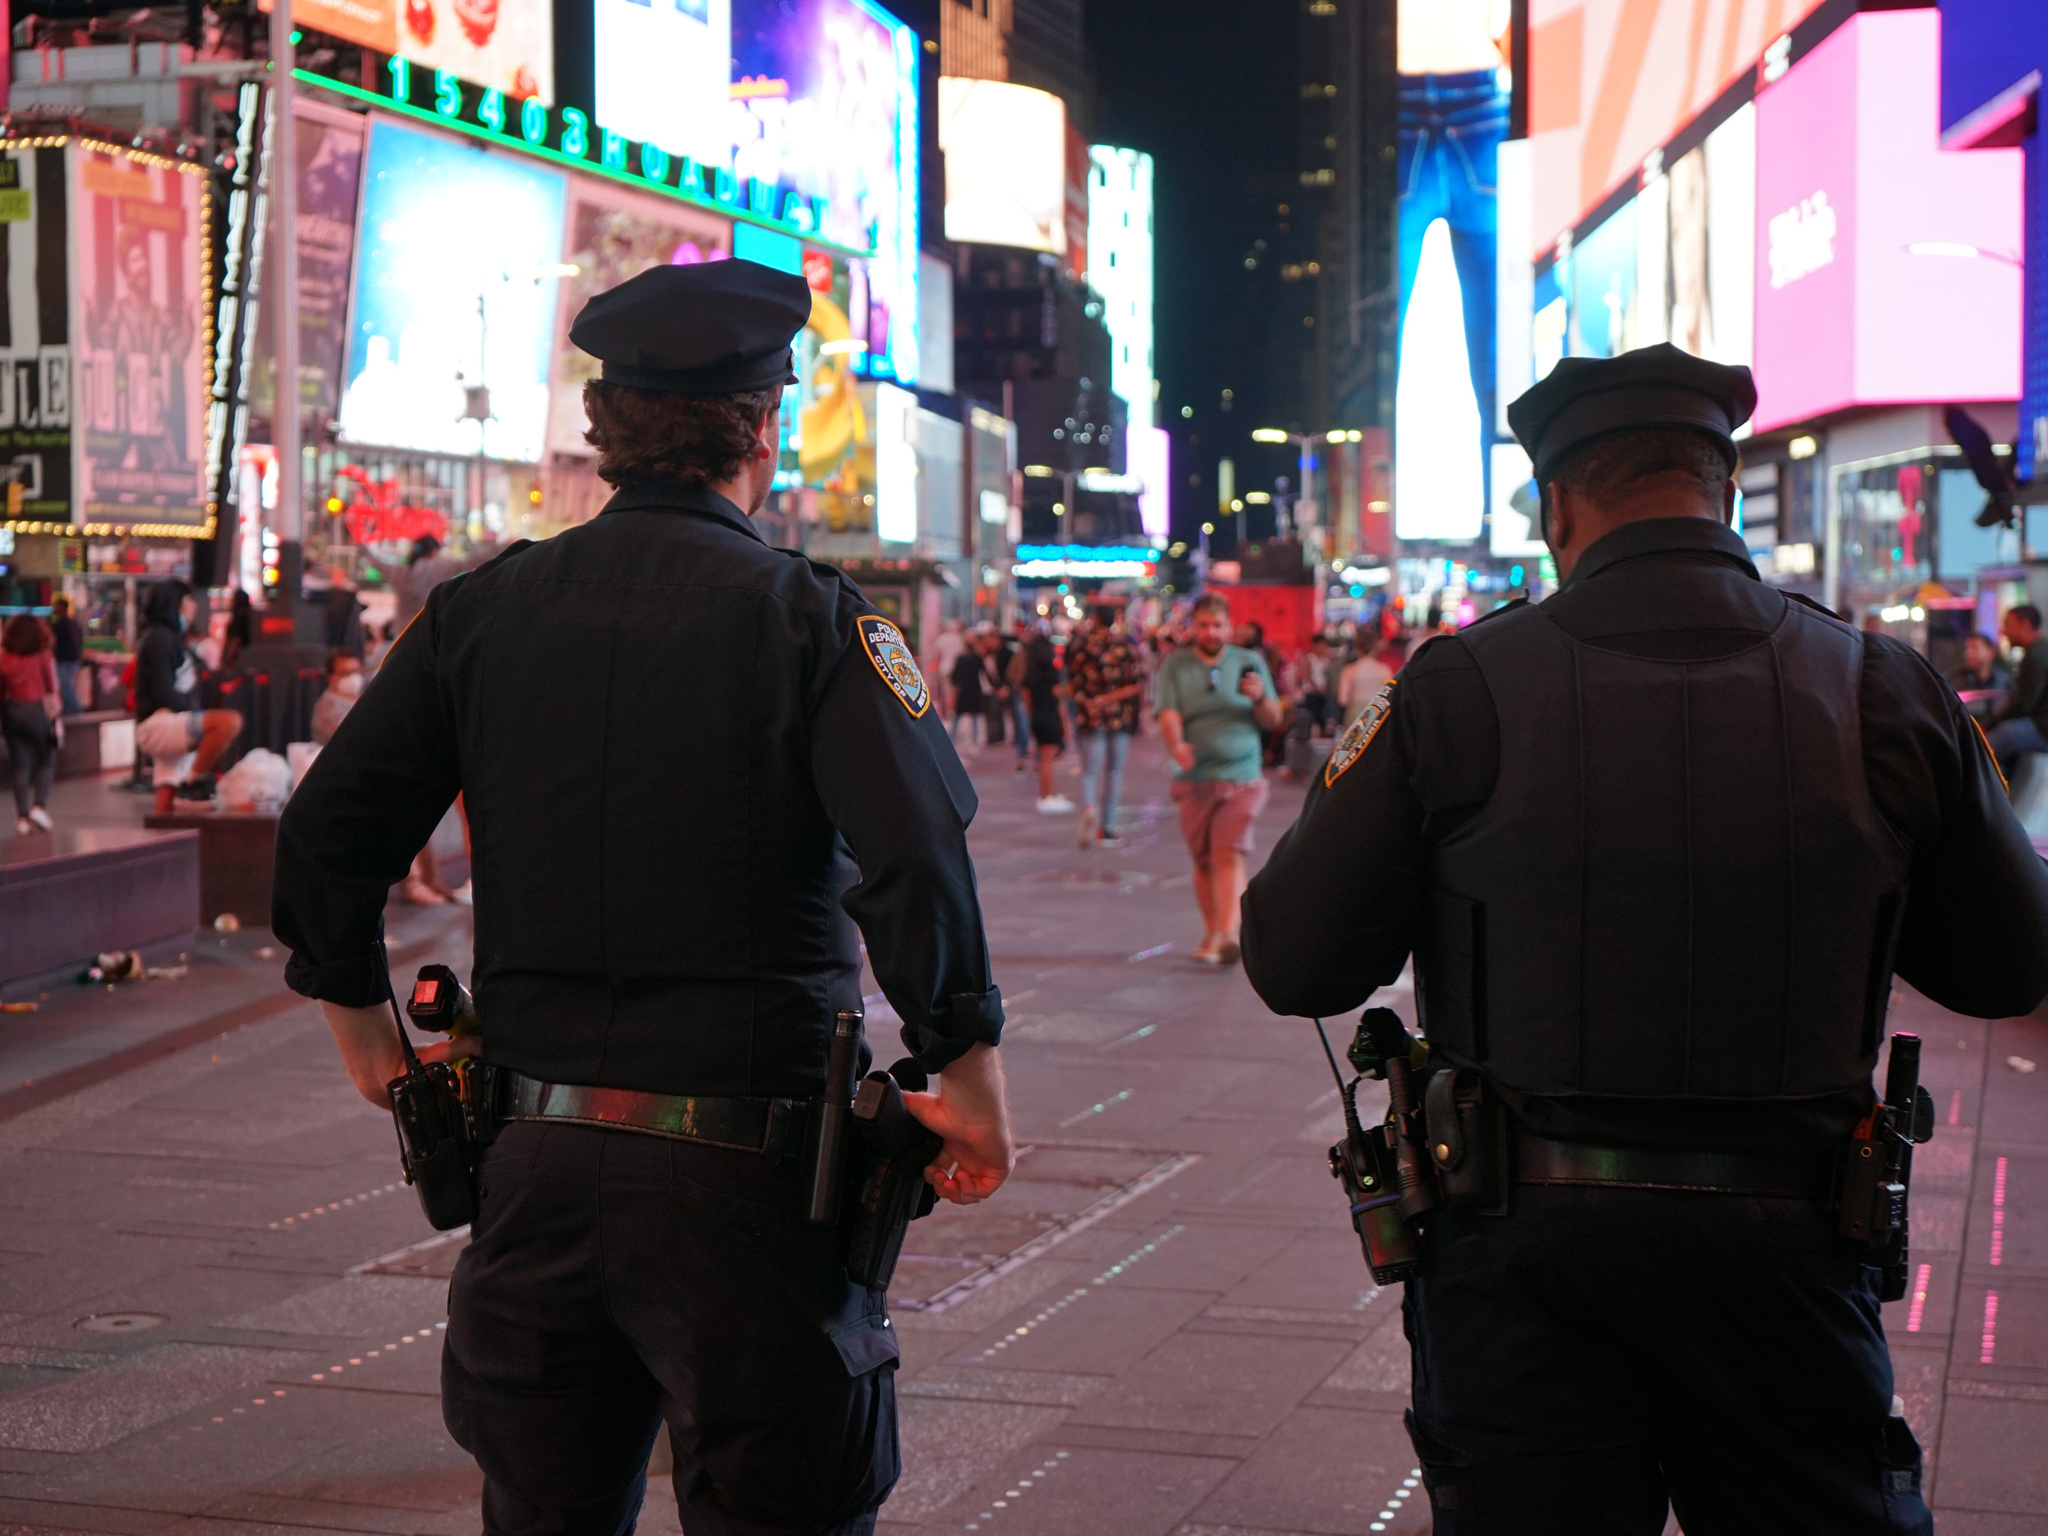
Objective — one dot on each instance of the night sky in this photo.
(1209, 88)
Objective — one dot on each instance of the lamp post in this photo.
(1305, 505)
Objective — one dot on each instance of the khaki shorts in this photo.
(168, 739)
(1216, 815)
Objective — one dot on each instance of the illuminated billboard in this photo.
(1120, 270)
(613, 235)
(138, 382)
(1609, 84)
(824, 102)
(661, 73)
(505, 45)
(1866, 226)
(457, 273)
(1675, 263)
(1453, 117)
(1006, 164)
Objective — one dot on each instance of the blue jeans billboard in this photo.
(1451, 128)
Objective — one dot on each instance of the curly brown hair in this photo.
(25, 635)
(640, 435)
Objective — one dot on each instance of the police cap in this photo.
(1587, 397)
(715, 328)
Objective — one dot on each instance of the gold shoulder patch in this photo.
(1352, 744)
(890, 653)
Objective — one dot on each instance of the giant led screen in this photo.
(824, 100)
(455, 291)
(662, 72)
(507, 45)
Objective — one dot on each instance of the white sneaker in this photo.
(41, 818)
(1055, 805)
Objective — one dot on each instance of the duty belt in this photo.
(747, 1125)
(1799, 1177)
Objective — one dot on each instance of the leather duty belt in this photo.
(746, 1125)
(1802, 1177)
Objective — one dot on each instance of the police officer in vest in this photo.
(691, 765)
(1657, 845)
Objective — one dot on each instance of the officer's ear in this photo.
(1728, 495)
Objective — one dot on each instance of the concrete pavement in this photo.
(218, 1313)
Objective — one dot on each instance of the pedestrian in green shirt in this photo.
(1213, 702)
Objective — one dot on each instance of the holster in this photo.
(892, 1151)
(1470, 1142)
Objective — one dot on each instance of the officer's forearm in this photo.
(369, 1048)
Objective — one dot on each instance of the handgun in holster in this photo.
(1876, 1167)
(863, 1139)
(442, 1110)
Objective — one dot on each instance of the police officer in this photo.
(687, 758)
(1657, 845)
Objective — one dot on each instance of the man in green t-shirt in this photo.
(1213, 701)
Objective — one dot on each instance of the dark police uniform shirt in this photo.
(684, 765)
(1636, 878)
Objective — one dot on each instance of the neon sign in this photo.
(566, 135)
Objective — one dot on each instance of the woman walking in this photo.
(28, 686)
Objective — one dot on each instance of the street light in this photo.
(1304, 460)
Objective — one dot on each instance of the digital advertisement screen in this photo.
(1119, 267)
(35, 349)
(507, 45)
(662, 72)
(457, 278)
(1865, 225)
(329, 147)
(613, 235)
(1006, 164)
(824, 101)
(1610, 83)
(138, 370)
(1453, 118)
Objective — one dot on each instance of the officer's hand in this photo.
(1252, 686)
(971, 1113)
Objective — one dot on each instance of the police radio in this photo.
(1877, 1166)
(437, 1106)
(1386, 1176)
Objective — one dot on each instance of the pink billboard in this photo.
(1887, 272)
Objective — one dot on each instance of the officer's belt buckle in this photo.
(742, 1125)
(1797, 1177)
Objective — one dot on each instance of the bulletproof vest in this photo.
(1680, 886)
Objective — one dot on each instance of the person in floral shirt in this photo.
(1104, 680)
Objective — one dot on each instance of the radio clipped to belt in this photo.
(1877, 1166)
(1446, 1145)
(440, 1108)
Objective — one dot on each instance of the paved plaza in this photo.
(220, 1313)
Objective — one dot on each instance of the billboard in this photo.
(329, 149)
(1867, 225)
(1119, 267)
(661, 73)
(507, 45)
(613, 235)
(456, 283)
(1453, 117)
(35, 346)
(1006, 164)
(1675, 263)
(139, 367)
(1609, 84)
(824, 101)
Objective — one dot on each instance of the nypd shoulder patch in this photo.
(890, 653)
(1351, 746)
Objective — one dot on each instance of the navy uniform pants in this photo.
(1601, 1351)
(616, 1280)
